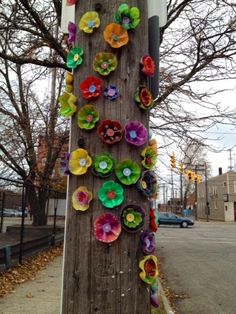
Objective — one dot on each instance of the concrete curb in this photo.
(165, 301)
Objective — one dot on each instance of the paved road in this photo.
(201, 262)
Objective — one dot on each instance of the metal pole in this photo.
(181, 191)
(54, 219)
(172, 189)
(23, 202)
(196, 216)
(2, 199)
(206, 187)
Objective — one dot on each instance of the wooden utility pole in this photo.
(104, 278)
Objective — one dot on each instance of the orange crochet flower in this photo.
(115, 35)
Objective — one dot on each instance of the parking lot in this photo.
(200, 261)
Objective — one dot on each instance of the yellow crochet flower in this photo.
(79, 161)
(81, 198)
(67, 104)
(89, 21)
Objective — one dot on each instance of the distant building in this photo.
(221, 198)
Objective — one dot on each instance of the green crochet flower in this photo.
(67, 104)
(128, 172)
(74, 58)
(111, 194)
(103, 164)
(87, 117)
(104, 63)
(131, 218)
(128, 17)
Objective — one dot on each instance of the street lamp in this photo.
(157, 17)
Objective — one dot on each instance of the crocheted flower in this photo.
(132, 218)
(74, 58)
(89, 21)
(104, 63)
(107, 228)
(143, 98)
(149, 272)
(136, 133)
(153, 220)
(79, 161)
(129, 18)
(103, 165)
(72, 32)
(91, 87)
(87, 117)
(115, 35)
(149, 157)
(67, 104)
(148, 66)
(111, 92)
(147, 184)
(69, 82)
(64, 164)
(111, 194)
(110, 132)
(128, 172)
(71, 2)
(148, 244)
(81, 198)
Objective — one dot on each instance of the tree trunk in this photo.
(104, 278)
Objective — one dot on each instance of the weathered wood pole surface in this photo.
(101, 278)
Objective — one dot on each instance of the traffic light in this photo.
(195, 178)
(181, 168)
(173, 161)
(190, 175)
(199, 178)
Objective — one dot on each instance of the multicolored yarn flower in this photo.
(79, 161)
(72, 32)
(111, 92)
(136, 133)
(64, 164)
(104, 63)
(149, 268)
(110, 131)
(132, 218)
(103, 165)
(67, 104)
(115, 35)
(128, 172)
(74, 58)
(154, 295)
(111, 194)
(152, 220)
(91, 87)
(143, 98)
(107, 228)
(149, 156)
(148, 66)
(81, 198)
(89, 21)
(69, 82)
(128, 17)
(148, 244)
(87, 117)
(147, 184)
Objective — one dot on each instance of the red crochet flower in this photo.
(91, 87)
(148, 65)
(110, 131)
(152, 223)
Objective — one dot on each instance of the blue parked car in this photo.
(172, 219)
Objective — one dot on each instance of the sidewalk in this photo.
(41, 296)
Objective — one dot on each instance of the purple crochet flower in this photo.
(111, 92)
(148, 244)
(72, 32)
(64, 170)
(136, 133)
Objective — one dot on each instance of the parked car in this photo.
(8, 212)
(172, 219)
